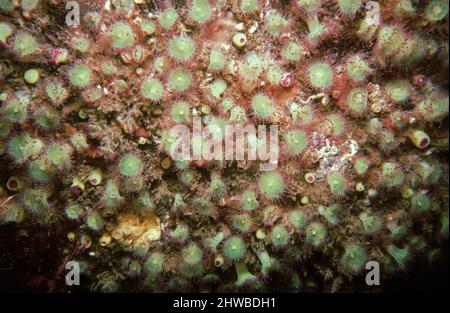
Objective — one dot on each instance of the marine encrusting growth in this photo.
(358, 90)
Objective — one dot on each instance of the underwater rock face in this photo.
(358, 93)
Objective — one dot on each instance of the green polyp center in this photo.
(249, 5)
(437, 9)
(399, 93)
(262, 105)
(179, 79)
(130, 165)
(181, 48)
(320, 75)
(358, 98)
(276, 23)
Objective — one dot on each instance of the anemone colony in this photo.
(357, 89)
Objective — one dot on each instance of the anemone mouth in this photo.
(12, 184)
(419, 80)
(424, 143)
(76, 190)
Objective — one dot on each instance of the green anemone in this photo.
(180, 112)
(292, 51)
(349, 7)
(181, 48)
(275, 23)
(354, 258)
(262, 106)
(154, 264)
(370, 223)
(111, 196)
(249, 201)
(296, 141)
(271, 184)
(152, 89)
(242, 222)
(234, 248)
(315, 233)
(180, 79)
(168, 17)
(391, 175)
(122, 35)
(192, 254)
(297, 218)
(337, 183)
(40, 170)
(357, 68)
(436, 10)
(130, 165)
(80, 76)
(25, 44)
(398, 90)
(59, 155)
(216, 60)
(330, 213)
(249, 6)
(420, 203)
(279, 236)
(320, 75)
